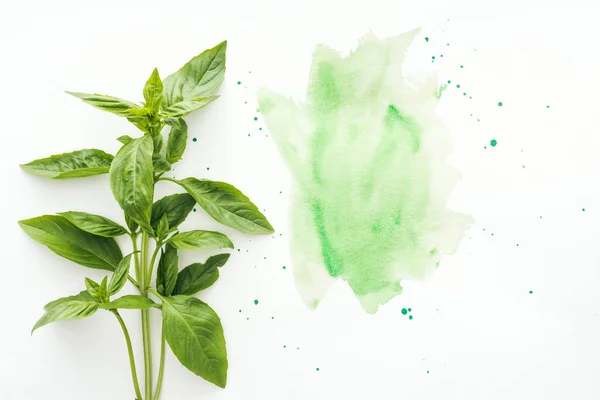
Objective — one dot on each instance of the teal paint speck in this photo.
(427, 39)
(410, 309)
(583, 209)
(248, 134)
(194, 210)
(493, 142)
(462, 66)
(449, 82)
(318, 369)
(255, 302)
(404, 311)
(256, 118)
(410, 317)
(284, 267)
(208, 168)
(499, 104)
(239, 82)
(284, 346)
(240, 310)
(531, 292)
(458, 86)
(194, 140)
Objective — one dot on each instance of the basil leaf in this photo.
(125, 139)
(153, 91)
(198, 276)
(72, 243)
(103, 102)
(163, 227)
(67, 310)
(176, 207)
(84, 296)
(227, 205)
(200, 240)
(132, 181)
(95, 224)
(183, 108)
(166, 274)
(141, 122)
(130, 301)
(195, 334)
(76, 164)
(200, 77)
(103, 290)
(131, 224)
(119, 278)
(93, 288)
(160, 163)
(177, 140)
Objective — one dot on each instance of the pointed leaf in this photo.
(103, 102)
(160, 163)
(200, 240)
(74, 309)
(177, 140)
(163, 227)
(76, 164)
(131, 224)
(166, 275)
(176, 207)
(132, 180)
(195, 334)
(198, 276)
(153, 91)
(95, 224)
(183, 108)
(200, 77)
(227, 205)
(119, 278)
(83, 296)
(130, 301)
(125, 139)
(72, 243)
(93, 288)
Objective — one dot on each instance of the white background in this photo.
(476, 328)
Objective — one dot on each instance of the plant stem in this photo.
(161, 369)
(152, 260)
(136, 384)
(144, 283)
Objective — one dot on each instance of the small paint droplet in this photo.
(256, 118)
(499, 104)
(462, 66)
(493, 142)
(517, 244)
(427, 371)
(208, 168)
(240, 310)
(449, 82)
(410, 317)
(255, 302)
(464, 94)
(458, 86)
(194, 210)
(547, 106)
(404, 311)
(239, 82)
(318, 369)
(583, 209)
(272, 317)
(433, 57)
(427, 39)
(248, 134)
(284, 346)
(284, 267)
(531, 292)
(410, 309)
(194, 140)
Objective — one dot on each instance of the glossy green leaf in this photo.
(93, 288)
(163, 227)
(76, 164)
(160, 163)
(227, 205)
(103, 102)
(70, 242)
(130, 301)
(153, 91)
(83, 296)
(119, 278)
(176, 207)
(198, 276)
(195, 334)
(166, 274)
(131, 224)
(200, 240)
(103, 290)
(125, 139)
(183, 108)
(177, 140)
(95, 224)
(132, 180)
(200, 77)
(67, 310)
(141, 122)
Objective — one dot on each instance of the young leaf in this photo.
(198, 276)
(176, 207)
(166, 274)
(177, 140)
(195, 334)
(67, 310)
(95, 224)
(163, 227)
(93, 288)
(103, 102)
(132, 180)
(83, 296)
(119, 278)
(200, 77)
(125, 139)
(160, 163)
(153, 91)
(131, 224)
(72, 243)
(141, 122)
(200, 240)
(103, 290)
(76, 164)
(130, 301)
(183, 108)
(227, 205)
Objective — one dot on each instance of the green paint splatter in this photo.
(318, 369)
(531, 292)
(368, 159)
(194, 139)
(194, 210)
(404, 311)
(208, 168)
(493, 142)
(427, 39)
(500, 104)
(284, 267)
(239, 82)
(255, 302)
(256, 118)
(410, 317)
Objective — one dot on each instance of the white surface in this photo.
(476, 328)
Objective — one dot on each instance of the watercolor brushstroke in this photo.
(368, 159)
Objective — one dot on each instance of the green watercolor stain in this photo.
(256, 118)
(410, 317)
(410, 309)
(547, 106)
(194, 210)
(493, 142)
(500, 104)
(284, 346)
(449, 82)
(248, 134)
(194, 140)
(208, 168)
(427, 39)
(583, 209)
(284, 267)
(318, 369)
(462, 66)
(531, 292)
(458, 86)
(404, 311)
(255, 302)
(239, 82)
(371, 180)
(240, 310)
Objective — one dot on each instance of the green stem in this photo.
(161, 369)
(152, 260)
(144, 283)
(136, 384)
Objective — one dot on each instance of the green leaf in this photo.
(72, 243)
(200, 240)
(76, 164)
(200, 77)
(166, 274)
(130, 301)
(95, 224)
(119, 278)
(141, 122)
(183, 108)
(103, 102)
(125, 139)
(227, 205)
(195, 334)
(160, 163)
(177, 140)
(103, 291)
(132, 180)
(176, 207)
(163, 227)
(67, 310)
(131, 224)
(198, 276)
(153, 91)
(83, 296)
(93, 288)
